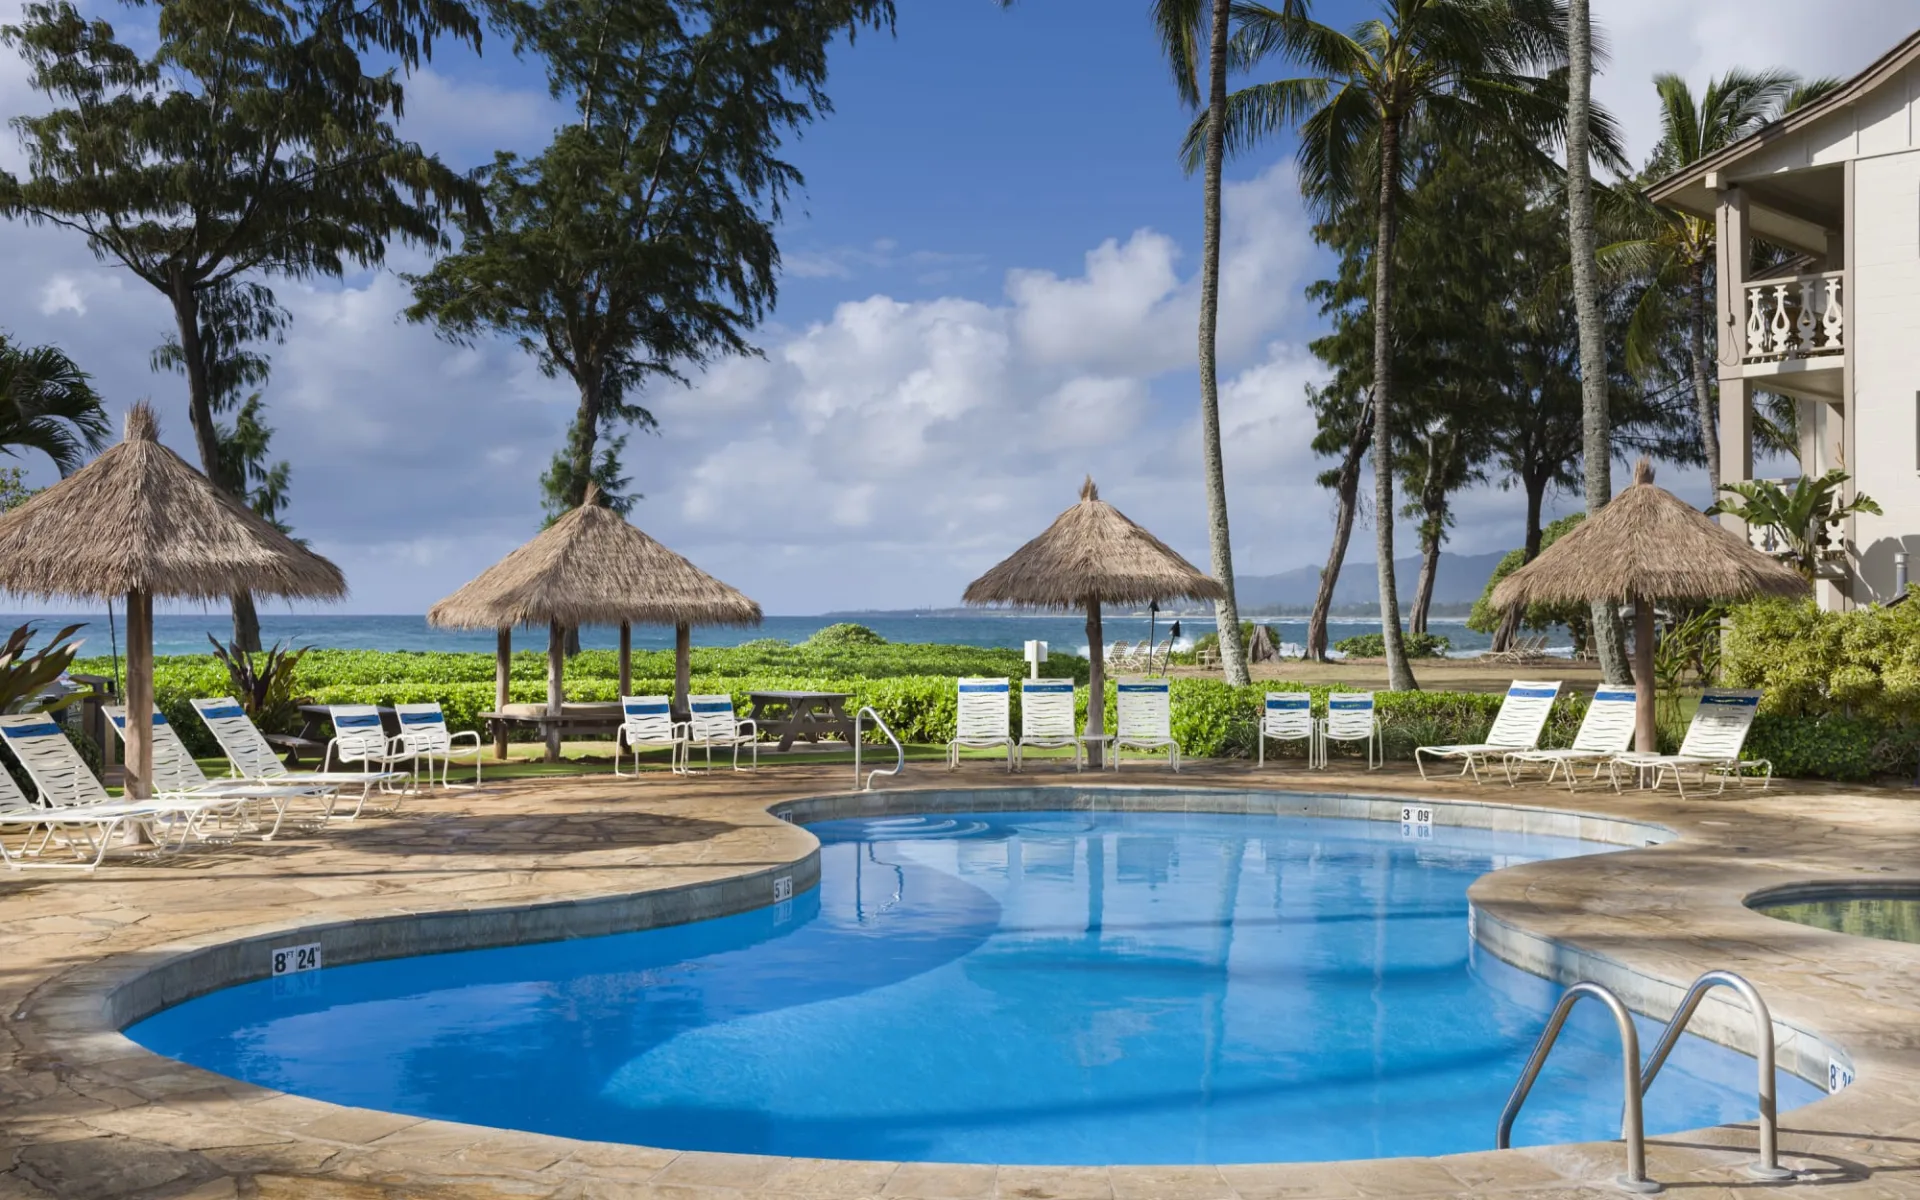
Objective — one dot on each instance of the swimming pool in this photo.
(1066, 987)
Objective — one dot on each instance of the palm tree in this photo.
(1181, 25)
(47, 403)
(1428, 64)
(1673, 253)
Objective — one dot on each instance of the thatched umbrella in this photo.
(591, 568)
(1092, 554)
(139, 522)
(1646, 545)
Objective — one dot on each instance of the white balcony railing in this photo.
(1797, 318)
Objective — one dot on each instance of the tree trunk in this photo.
(1423, 588)
(1399, 674)
(626, 659)
(1596, 429)
(1530, 550)
(1704, 406)
(1096, 684)
(502, 677)
(582, 439)
(556, 685)
(1233, 650)
(246, 622)
(1433, 530)
(573, 641)
(1347, 495)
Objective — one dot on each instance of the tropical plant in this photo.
(26, 674)
(1372, 645)
(1446, 66)
(1800, 517)
(13, 488)
(47, 403)
(264, 687)
(238, 138)
(844, 633)
(1687, 655)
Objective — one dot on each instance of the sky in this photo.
(989, 292)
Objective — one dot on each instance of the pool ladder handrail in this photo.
(900, 763)
(1632, 1127)
(1768, 1165)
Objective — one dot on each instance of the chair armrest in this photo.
(748, 724)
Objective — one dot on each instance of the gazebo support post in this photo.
(1096, 684)
(626, 658)
(556, 684)
(1646, 738)
(139, 734)
(502, 673)
(682, 667)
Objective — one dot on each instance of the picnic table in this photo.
(808, 715)
(596, 719)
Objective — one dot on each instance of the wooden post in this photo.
(626, 659)
(682, 665)
(502, 673)
(556, 684)
(1645, 736)
(1096, 684)
(139, 767)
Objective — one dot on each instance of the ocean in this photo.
(186, 633)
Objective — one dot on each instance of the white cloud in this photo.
(62, 294)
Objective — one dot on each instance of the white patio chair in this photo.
(423, 730)
(714, 724)
(1606, 731)
(1288, 717)
(1117, 653)
(1523, 714)
(1158, 657)
(1352, 717)
(83, 831)
(646, 722)
(1715, 737)
(359, 736)
(982, 719)
(176, 773)
(1047, 720)
(251, 756)
(1144, 719)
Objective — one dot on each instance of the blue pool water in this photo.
(1017, 988)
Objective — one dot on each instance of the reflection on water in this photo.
(1890, 918)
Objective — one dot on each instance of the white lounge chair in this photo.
(1117, 653)
(424, 732)
(982, 719)
(1351, 717)
(1144, 719)
(359, 736)
(1523, 714)
(1606, 731)
(714, 724)
(646, 723)
(251, 756)
(1288, 717)
(1047, 720)
(176, 773)
(83, 832)
(1712, 746)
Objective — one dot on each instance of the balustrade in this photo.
(1796, 318)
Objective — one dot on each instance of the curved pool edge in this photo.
(77, 1018)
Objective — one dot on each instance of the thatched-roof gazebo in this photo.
(591, 568)
(1646, 545)
(1092, 555)
(139, 522)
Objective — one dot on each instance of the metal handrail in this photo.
(1768, 1167)
(899, 765)
(1632, 1127)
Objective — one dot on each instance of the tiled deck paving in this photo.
(84, 1112)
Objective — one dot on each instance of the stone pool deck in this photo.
(84, 1112)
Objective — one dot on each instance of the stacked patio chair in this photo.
(1145, 719)
(1351, 717)
(983, 720)
(713, 723)
(1288, 717)
(1606, 731)
(250, 756)
(1523, 714)
(1712, 746)
(424, 733)
(1047, 720)
(646, 723)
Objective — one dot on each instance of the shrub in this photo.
(1374, 645)
(1863, 663)
(846, 633)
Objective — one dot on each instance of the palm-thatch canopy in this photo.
(139, 519)
(1647, 544)
(592, 568)
(1092, 553)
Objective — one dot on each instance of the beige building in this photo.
(1836, 183)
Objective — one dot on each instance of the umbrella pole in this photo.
(682, 666)
(139, 732)
(502, 673)
(1096, 684)
(626, 658)
(556, 684)
(1646, 739)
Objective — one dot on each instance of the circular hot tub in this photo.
(1890, 912)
